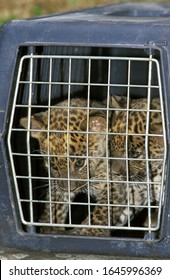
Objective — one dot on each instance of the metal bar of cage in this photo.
(30, 177)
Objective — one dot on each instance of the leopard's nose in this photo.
(118, 167)
(117, 173)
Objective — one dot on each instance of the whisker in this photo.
(36, 151)
(42, 186)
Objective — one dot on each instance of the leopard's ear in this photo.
(118, 101)
(37, 122)
(97, 122)
(115, 101)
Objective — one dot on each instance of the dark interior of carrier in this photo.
(59, 90)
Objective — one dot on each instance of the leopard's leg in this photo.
(105, 214)
(58, 209)
(98, 224)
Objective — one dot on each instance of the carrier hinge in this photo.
(150, 45)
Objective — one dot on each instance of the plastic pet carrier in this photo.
(84, 131)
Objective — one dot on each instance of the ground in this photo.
(13, 254)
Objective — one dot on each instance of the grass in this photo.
(37, 11)
(6, 19)
(73, 2)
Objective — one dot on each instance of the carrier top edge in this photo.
(120, 12)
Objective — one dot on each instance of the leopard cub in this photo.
(66, 146)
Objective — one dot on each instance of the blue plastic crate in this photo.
(38, 53)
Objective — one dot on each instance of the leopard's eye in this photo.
(135, 154)
(79, 162)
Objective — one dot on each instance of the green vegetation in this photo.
(37, 11)
(4, 20)
(73, 2)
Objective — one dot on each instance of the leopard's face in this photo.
(67, 159)
(66, 145)
(132, 146)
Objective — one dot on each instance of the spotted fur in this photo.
(105, 176)
(65, 140)
(136, 193)
(139, 147)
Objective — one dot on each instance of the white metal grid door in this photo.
(86, 157)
